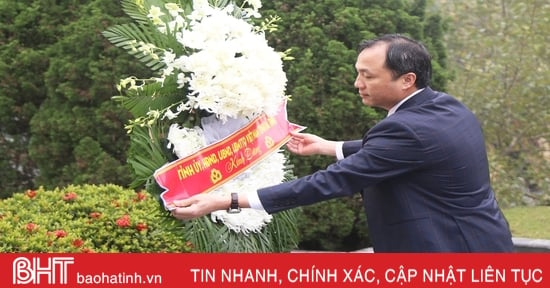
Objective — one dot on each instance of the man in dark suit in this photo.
(422, 171)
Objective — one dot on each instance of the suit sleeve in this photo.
(350, 147)
(390, 149)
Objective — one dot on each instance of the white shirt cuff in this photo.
(339, 152)
(254, 201)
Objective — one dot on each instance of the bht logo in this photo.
(30, 271)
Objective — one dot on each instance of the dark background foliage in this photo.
(59, 125)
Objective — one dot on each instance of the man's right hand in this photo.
(309, 144)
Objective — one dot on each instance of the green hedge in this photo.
(88, 218)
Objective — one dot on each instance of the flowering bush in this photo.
(213, 73)
(87, 219)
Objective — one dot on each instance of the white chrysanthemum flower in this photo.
(200, 9)
(185, 141)
(234, 73)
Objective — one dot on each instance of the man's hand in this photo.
(309, 144)
(199, 205)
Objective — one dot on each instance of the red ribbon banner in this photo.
(222, 161)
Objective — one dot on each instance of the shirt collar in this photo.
(394, 108)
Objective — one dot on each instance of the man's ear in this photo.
(409, 80)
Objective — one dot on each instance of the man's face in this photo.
(374, 81)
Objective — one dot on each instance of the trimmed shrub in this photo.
(88, 218)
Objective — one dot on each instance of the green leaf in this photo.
(140, 102)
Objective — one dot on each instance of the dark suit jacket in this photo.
(424, 177)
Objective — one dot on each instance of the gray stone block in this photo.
(531, 245)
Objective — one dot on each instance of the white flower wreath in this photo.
(227, 70)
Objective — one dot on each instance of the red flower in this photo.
(31, 227)
(87, 250)
(69, 196)
(123, 221)
(140, 196)
(141, 226)
(30, 193)
(77, 243)
(95, 215)
(60, 233)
